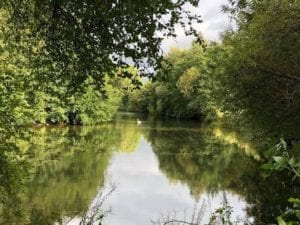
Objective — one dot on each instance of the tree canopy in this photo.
(93, 37)
(260, 61)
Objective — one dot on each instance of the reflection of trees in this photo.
(268, 195)
(206, 162)
(68, 166)
(11, 173)
(49, 144)
(129, 135)
(65, 190)
(13, 169)
(200, 160)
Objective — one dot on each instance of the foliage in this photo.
(93, 106)
(179, 89)
(283, 159)
(90, 38)
(222, 215)
(292, 215)
(32, 92)
(257, 68)
(143, 99)
(129, 81)
(286, 162)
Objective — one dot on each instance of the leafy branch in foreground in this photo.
(281, 162)
(292, 215)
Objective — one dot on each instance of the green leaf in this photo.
(280, 221)
(267, 166)
(292, 162)
(280, 160)
(296, 201)
(297, 212)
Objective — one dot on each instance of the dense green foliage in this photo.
(30, 96)
(259, 80)
(89, 38)
(55, 53)
(59, 63)
(177, 90)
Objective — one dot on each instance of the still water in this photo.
(141, 174)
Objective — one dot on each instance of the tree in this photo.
(259, 79)
(93, 106)
(93, 37)
(57, 45)
(180, 88)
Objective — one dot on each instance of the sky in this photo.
(214, 22)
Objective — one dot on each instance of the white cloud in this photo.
(214, 22)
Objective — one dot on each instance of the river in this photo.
(139, 174)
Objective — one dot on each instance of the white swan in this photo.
(138, 122)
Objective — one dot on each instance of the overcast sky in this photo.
(214, 22)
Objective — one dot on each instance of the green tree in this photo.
(95, 107)
(90, 38)
(181, 87)
(257, 69)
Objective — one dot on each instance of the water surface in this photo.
(157, 169)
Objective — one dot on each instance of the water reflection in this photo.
(144, 192)
(158, 167)
(198, 158)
